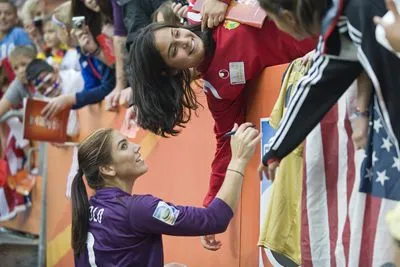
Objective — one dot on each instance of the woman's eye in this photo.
(124, 146)
(177, 34)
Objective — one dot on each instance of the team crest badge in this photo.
(166, 213)
(231, 25)
(223, 74)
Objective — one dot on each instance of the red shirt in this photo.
(241, 53)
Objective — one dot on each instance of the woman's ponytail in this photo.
(80, 213)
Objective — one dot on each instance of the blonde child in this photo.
(57, 53)
(32, 15)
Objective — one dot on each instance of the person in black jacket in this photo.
(347, 47)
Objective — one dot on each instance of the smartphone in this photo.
(78, 22)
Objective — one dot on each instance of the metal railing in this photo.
(42, 151)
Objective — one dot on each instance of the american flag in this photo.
(381, 164)
(340, 225)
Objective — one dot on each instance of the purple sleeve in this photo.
(154, 216)
(118, 18)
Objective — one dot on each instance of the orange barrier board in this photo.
(179, 172)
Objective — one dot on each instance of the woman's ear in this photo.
(107, 170)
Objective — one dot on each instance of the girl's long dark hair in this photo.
(163, 97)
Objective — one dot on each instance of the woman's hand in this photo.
(85, 40)
(212, 13)
(269, 171)
(360, 132)
(179, 10)
(392, 30)
(112, 99)
(58, 104)
(209, 242)
(125, 97)
(243, 142)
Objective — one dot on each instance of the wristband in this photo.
(359, 113)
(236, 172)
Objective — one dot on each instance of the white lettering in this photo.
(95, 214)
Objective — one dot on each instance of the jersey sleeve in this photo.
(225, 114)
(151, 215)
(315, 94)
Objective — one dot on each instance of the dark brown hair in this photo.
(93, 152)
(308, 12)
(163, 96)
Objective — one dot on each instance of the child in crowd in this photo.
(32, 14)
(62, 19)
(99, 79)
(57, 54)
(10, 34)
(14, 147)
(19, 58)
(49, 82)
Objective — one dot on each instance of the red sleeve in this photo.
(225, 118)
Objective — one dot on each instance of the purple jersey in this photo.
(126, 230)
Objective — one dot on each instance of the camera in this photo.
(38, 22)
(78, 22)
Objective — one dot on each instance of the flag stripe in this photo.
(305, 231)
(356, 214)
(330, 147)
(369, 229)
(349, 186)
(341, 183)
(317, 203)
(383, 241)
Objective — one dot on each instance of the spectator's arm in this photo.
(113, 99)
(119, 46)
(98, 93)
